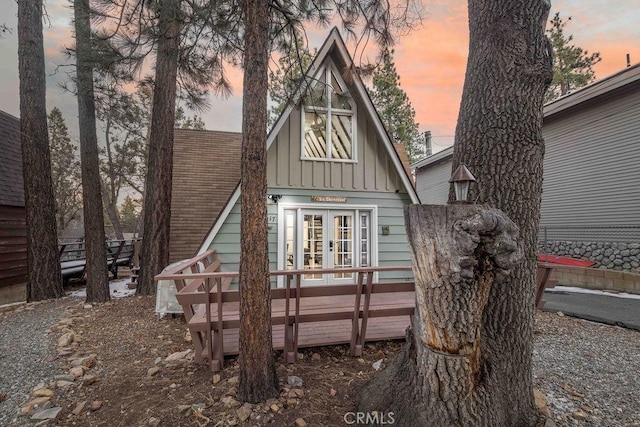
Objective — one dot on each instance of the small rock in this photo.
(179, 355)
(315, 356)
(43, 392)
(377, 365)
(230, 401)
(184, 408)
(37, 402)
(294, 381)
(65, 340)
(96, 404)
(87, 306)
(64, 378)
(152, 371)
(549, 423)
(561, 314)
(232, 422)
(187, 337)
(153, 422)
(66, 351)
(579, 415)
(231, 392)
(216, 378)
(292, 403)
(275, 408)
(76, 371)
(87, 362)
(89, 379)
(540, 399)
(244, 412)
(296, 393)
(157, 361)
(300, 422)
(333, 392)
(63, 384)
(233, 380)
(79, 408)
(47, 414)
(300, 356)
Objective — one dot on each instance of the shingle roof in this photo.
(11, 183)
(206, 171)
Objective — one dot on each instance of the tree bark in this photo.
(157, 195)
(258, 379)
(44, 280)
(94, 236)
(499, 138)
(445, 376)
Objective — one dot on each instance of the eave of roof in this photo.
(433, 159)
(594, 91)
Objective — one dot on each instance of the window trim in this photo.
(328, 69)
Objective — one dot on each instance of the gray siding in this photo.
(393, 249)
(432, 183)
(591, 173)
(373, 171)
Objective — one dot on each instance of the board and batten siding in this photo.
(13, 254)
(393, 249)
(591, 166)
(433, 185)
(373, 170)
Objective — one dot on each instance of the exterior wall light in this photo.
(461, 179)
(274, 197)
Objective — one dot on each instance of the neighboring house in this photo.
(206, 171)
(331, 203)
(591, 188)
(13, 219)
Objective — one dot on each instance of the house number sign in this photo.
(332, 199)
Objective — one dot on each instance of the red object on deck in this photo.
(563, 260)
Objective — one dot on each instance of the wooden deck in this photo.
(320, 333)
(301, 316)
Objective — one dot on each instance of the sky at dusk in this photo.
(431, 61)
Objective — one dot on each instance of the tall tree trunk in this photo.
(43, 259)
(96, 269)
(258, 379)
(499, 138)
(157, 194)
(111, 192)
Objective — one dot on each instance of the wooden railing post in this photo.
(289, 354)
(355, 324)
(365, 313)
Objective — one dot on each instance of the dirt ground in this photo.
(129, 383)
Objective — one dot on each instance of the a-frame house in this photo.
(334, 201)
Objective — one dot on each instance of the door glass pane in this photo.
(290, 239)
(312, 245)
(365, 241)
(343, 244)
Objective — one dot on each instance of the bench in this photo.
(73, 262)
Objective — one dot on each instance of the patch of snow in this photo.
(591, 291)
(118, 289)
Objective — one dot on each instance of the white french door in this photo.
(326, 239)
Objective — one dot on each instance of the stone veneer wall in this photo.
(611, 256)
(596, 278)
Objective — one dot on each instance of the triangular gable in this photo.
(333, 45)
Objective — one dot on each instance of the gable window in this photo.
(329, 119)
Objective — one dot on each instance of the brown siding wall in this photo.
(206, 170)
(13, 254)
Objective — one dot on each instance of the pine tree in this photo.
(394, 107)
(65, 171)
(572, 66)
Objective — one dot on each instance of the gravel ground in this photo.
(27, 355)
(590, 373)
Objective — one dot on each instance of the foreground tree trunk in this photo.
(96, 268)
(157, 194)
(43, 259)
(258, 379)
(499, 138)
